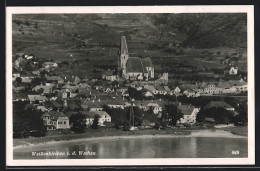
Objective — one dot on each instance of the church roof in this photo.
(123, 45)
(134, 65)
(146, 62)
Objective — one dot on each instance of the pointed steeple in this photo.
(124, 49)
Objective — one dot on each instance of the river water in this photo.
(152, 147)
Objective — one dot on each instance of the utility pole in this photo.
(132, 113)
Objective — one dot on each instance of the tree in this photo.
(38, 81)
(27, 121)
(220, 114)
(174, 114)
(136, 118)
(126, 126)
(95, 123)
(78, 122)
(150, 116)
(18, 80)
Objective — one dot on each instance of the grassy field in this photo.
(238, 130)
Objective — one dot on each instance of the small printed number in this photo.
(235, 152)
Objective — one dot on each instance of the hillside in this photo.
(91, 41)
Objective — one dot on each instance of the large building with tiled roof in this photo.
(134, 68)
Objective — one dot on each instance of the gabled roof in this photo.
(55, 104)
(54, 115)
(99, 113)
(186, 109)
(223, 84)
(235, 83)
(95, 104)
(217, 104)
(69, 113)
(44, 87)
(166, 88)
(146, 63)
(159, 88)
(37, 97)
(150, 88)
(108, 72)
(141, 103)
(69, 86)
(134, 65)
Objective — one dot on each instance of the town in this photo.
(139, 93)
(132, 88)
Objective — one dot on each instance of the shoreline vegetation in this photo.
(92, 135)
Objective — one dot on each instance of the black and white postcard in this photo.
(130, 85)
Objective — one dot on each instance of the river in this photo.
(198, 145)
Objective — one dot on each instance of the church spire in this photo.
(124, 49)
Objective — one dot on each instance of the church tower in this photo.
(123, 55)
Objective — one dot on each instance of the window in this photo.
(64, 122)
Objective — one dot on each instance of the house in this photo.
(109, 75)
(161, 90)
(125, 93)
(72, 79)
(211, 89)
(116, 103)
(57, 79)
(26, 79)
(84, 85)
(216, 104)
(147, 93)
(167, 89)
(141, 104)
(50, 64)
(156, 105)
(55, 120)
(103, 117)
(42, 108)
(233, 71)
(37, 72)
(189, 114)
(38, 98)
(15, 75)
(108, 90)
(151, 88)
(44, 88)
(239, 85)
(189, 93)
(19, 88)
(92, 105)
(69, 87)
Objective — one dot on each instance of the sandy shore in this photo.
(62, 143)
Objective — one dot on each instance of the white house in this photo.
(233, 71)
(103, 117)
(177, 90)
(55, 120)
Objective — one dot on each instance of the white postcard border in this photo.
(249, 9)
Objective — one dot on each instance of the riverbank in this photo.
(115, 134)
(237, 130)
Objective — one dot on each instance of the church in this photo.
(133, 68)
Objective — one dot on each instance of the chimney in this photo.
(93, 101)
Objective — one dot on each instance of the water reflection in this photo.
(184, 147)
